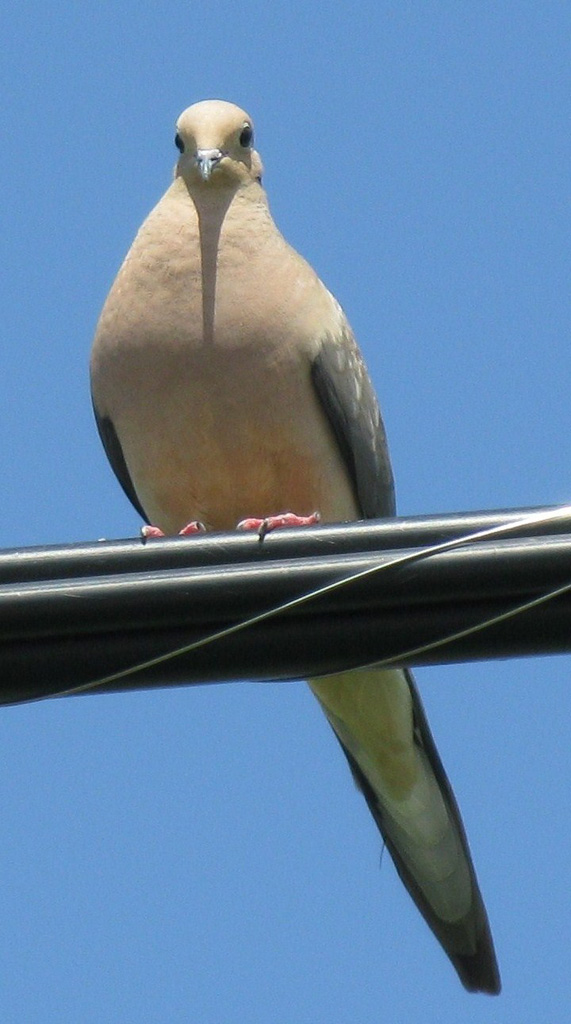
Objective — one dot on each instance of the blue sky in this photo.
(201, 854)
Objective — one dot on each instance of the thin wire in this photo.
(477, 628)
(399, 560)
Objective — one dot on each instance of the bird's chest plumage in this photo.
(232, 437)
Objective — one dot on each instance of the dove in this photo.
(228, 389)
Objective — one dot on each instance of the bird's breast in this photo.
(231, 431)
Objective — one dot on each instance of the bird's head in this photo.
(216, 144)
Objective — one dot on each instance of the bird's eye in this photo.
(179, 143)
(246, 136)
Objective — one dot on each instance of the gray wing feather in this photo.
(343, 386)
(114, 453)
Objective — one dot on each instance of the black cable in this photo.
(71, 617)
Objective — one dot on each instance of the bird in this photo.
(228, 389)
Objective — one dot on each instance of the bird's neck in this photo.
(219, 211)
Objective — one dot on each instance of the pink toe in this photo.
(269, 523)
(190, 528)
(148, 532)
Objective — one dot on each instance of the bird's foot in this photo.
(264, 526)
(150, 532)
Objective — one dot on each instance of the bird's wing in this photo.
(114, 453)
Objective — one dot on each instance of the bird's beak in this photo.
(207, 160)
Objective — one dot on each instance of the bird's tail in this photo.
(378, 718)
